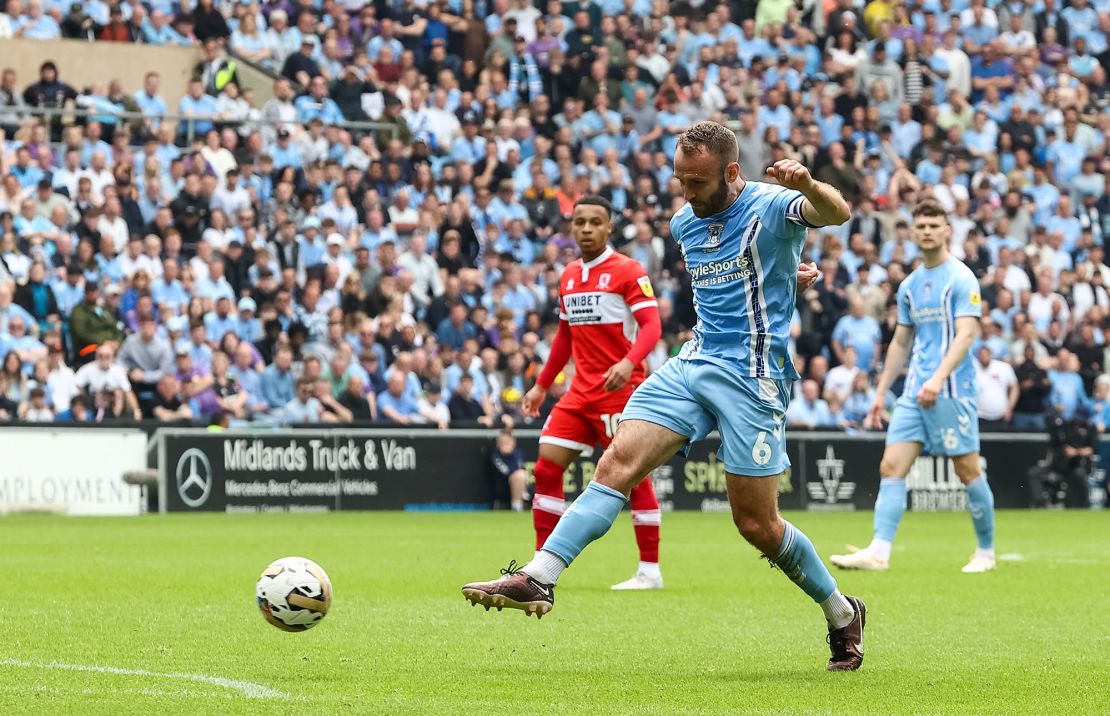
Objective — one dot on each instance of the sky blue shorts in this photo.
(951, 427)
(692, 397)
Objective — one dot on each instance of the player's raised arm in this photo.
(823, 204)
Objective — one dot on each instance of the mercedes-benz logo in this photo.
(194, 477)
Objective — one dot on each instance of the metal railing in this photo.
(69, 115)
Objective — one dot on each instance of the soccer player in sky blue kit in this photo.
(938, 319)
(742, 243)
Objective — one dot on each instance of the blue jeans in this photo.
(1029, 422)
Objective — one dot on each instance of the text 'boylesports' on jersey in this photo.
(743, 263)
(929, 301)
(599, 298)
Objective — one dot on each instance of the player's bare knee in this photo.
(615, 469)
(889, 467)
(756, 529)
(967, 467)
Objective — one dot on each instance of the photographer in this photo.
(1062, 477)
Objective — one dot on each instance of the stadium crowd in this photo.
(210, 257)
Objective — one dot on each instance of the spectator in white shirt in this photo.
(134, 259)
(1045, 304)
(440, 121)
(111, 223)
(335, 255)
(403, 217)
(998, 389)
(61, 382)
(107, 380)
(340, 210)
(218, 235)
(230, 197)
(838, 381)
(98, 174)
(426, 280)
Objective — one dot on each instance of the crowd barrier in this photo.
(387, 469)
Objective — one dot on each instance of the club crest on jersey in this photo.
(927, 290)
(713, 237)
(603, 281)
(570, 284)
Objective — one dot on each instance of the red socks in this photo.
(646, 518)
(548, 502)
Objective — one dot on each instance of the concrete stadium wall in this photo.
(257, 80)
(81, 63)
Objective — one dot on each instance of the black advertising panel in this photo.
(323, 470)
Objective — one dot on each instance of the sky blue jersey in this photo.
(929, 302)
(743, 262)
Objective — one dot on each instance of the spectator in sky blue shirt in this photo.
(808, 410)
(860, 331)
(167, 290)
(455, 330)
(394, 403)
(1068, 395)
(277, 379)
(385, 37)
(38, 26)
(775, 114)
(27, 173)
(199, 105)
(69, 292)
(1066, 156)
(220, 321)
(673, 123)
(284, 153)
(157, 31)
(247, 327)
(303, 407)
(905, 132)
(600, 125)
(469, 147)
(150, 102)
(317, 105)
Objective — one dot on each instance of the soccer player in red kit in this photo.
(609, 322)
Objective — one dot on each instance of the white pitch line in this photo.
(247, 688)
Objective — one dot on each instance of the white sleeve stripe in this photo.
(794, 212)
(642, 304)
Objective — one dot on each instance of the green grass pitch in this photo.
(164, 606)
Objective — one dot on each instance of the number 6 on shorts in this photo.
(761, 451)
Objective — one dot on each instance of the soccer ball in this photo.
(294, 593)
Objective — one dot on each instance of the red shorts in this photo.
(580, 421)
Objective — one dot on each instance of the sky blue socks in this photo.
(889, 507)
(799, 560)
(980, 503)
(588, 518)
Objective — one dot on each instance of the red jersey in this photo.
(598, 299)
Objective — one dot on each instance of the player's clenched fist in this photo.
(790, 174)
(807, 276)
